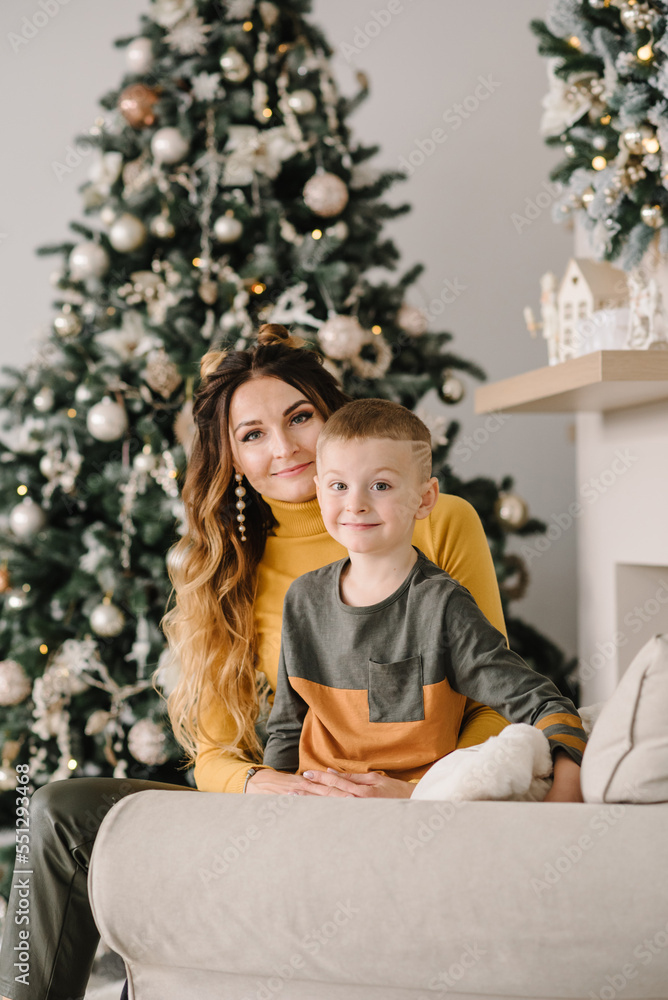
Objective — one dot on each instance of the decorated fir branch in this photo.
(226, 191)
(606, 111)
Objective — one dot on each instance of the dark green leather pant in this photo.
(64, 820)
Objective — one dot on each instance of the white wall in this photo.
(428, 57)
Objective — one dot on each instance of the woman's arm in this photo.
(461, 548)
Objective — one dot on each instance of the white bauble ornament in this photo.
(127, 233)
(82, 394)
(325, 194)
(234, 66)
(145, 461)
(107, 620)
(88, 260)
(44, 399)
(227, 229)
(146, 743)
(27, 518)
(107, 421)
(302, 102)
(652, 216)
(8, 781)
(511, 511)
(168, 145)
(67, 324)
(452, 389)
(15, 599)
(48, 465)
(412, 320)
(97, 722)
(14, 685)
(339, 231)
(341, 337)
(107, 215)
(161, 227)
(139, 55)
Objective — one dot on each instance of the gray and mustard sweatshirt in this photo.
(383, 687)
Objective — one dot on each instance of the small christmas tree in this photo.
(607, 111)
(227, 192)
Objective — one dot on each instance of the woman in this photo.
(254, 525)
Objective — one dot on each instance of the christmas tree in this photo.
(606, 110)
(227, 192)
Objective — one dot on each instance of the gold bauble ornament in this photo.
(161, 374)
(511, 511)
(652, 216)
(325, 194)
(136, 105)
(452, 390)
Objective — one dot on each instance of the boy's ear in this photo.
(430, 492)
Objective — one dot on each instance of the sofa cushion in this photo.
(626, 758)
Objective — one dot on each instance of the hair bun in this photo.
(276, 333)
(211, 362)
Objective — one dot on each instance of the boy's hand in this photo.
(373, 784)
(566, 784)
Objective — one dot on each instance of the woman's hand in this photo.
(372, 785)
(266, 781)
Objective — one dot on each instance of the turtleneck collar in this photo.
(296, 520)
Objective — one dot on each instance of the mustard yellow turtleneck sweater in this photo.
(451, 536)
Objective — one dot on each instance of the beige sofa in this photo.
(231, 897)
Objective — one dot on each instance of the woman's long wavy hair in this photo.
(211, 628)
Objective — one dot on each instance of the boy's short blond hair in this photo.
(379, 418)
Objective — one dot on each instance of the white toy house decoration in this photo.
(587, 287)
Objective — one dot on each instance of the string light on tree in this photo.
(652, 216)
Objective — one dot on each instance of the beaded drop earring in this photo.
(241, 505)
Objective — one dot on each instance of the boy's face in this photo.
(370, 493)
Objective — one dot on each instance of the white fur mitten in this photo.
(516, 765)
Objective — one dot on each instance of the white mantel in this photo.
(622, 465)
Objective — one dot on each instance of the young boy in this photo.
(380, 650)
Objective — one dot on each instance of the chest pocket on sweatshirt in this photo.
(395, 691)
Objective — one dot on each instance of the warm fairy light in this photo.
(283, 47)
(645, 53)
(574, 41)
(197, 261)
(258, 288)
(173, 473)
(652, 144)
(44, 648)
(72, 764)
(22, 490)
(267, 113)
(376, 329)
(316, 234)
(111, 310)
(72, 413)
(606, 119)
(26, 588)
(248, 25)
(599, 163)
